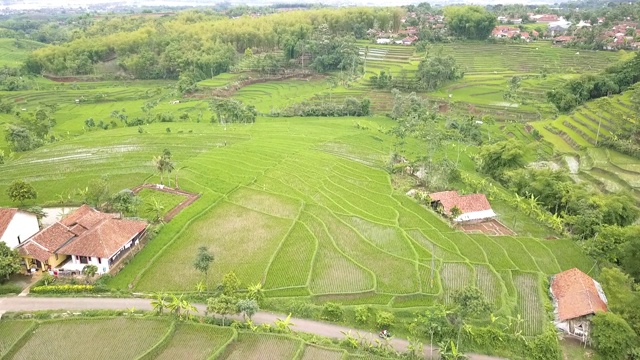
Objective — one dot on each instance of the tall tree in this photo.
(9, 261)
(223, 305)
(203, 260)
(470, 22)
(612, 336)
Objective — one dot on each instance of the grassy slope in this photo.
(14, 52)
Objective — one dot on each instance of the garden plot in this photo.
(490, 285)
(456, 277)
(530, 304)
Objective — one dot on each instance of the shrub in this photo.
(385, 319)
(332, 312)
(362, 314)
(64, 289)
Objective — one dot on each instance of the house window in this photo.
(83, 260)
(89, 258)
(99, 261)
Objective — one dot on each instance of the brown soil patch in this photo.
(488, 227)
(191, 197)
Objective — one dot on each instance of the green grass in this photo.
(149, 197)
(14, 52)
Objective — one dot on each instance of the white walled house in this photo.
(84, 237)
(472, 207)
(16, 226)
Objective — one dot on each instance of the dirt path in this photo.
(300, 325)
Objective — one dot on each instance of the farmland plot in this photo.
(10, 332)
(262, 347)
(317, 353)
(529, 302)
(45, 342)
(195, 341)
(456, 277)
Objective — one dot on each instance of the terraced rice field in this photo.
(579, 133)
(305, 202)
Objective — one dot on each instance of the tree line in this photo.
(613, 80)
(207, 44)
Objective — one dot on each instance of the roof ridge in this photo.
(584, 288)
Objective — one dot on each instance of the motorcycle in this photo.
(384, 334)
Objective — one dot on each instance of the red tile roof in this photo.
(35, 251)
(466, 203)
(6, 215)
(576, 295)
(85, 232)
(105, 239)
(53, 237)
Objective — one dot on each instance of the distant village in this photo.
(598, 36)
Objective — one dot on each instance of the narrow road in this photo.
(300, 325)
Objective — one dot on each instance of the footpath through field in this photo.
(301, 325)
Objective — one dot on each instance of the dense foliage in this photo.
(470, 22)
(232, 111)
(613, 81)
(612, 336)
(30, 130)
(204, 44)
(350, 107)
(9, 261)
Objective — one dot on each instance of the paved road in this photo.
(301, 325)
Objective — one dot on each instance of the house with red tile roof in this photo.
(85, 237)
(471, 207)
(17, 226)
(576, 298)
(409, 40)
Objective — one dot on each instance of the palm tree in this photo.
(158, 162)
(176, 181)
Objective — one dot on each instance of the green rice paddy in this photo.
(303, 205)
